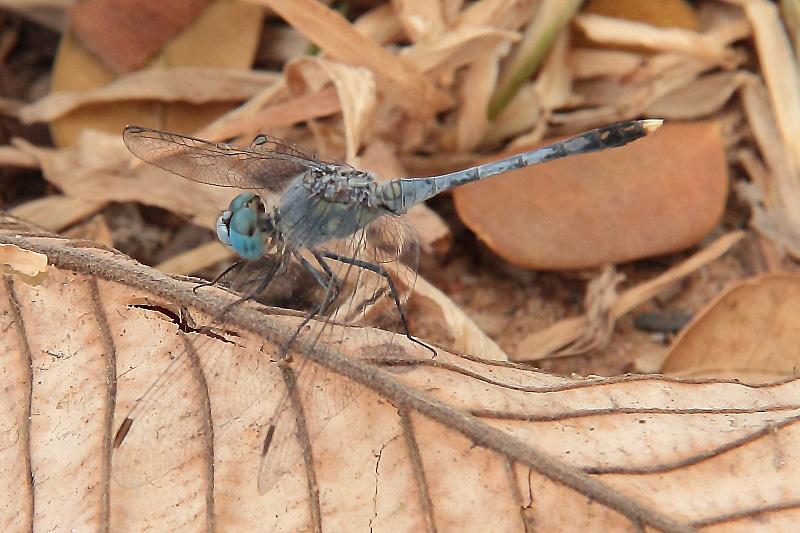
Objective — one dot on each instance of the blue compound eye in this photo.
(239, 202)
(245, 235)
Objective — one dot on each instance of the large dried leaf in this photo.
(451, 443)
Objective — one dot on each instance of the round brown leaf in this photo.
(655, 196)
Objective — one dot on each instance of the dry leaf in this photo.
(421, 20)
(98, 169)
(247, 122)
(701, 98)
(441, 58)
(189, 84)
(587, 63)
(658, 13)
(57, 212)
(658, 195)
(395, 77)
(620, 32)
(750, 332)
(12, 157)
(780, 69)
(454, 443)
(355, 87)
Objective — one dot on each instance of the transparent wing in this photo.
(170, 425)
(270, 144)
(387, 247)
(269, 165)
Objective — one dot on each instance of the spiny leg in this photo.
(236, 264)
(331, 286)
(334, 281)
(384, 274)
(264, 282)
(280, 266)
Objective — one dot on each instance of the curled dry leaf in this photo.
(31, 267)
(458, 48)
(621, 32)
(189, 84)
(774, 194)
(780, 70)
(355, 87)
(397, 79)
(750, 331)
(451, 443)
(655, 196)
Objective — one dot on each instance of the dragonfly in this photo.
(299, 217)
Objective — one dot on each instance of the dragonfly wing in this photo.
(170, 425)
(165, 429)
(218, 163)
(269, 144)
(317, 394)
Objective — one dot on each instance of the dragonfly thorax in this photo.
(338, 184)
(328, 203)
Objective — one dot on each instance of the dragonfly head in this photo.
(241, 227)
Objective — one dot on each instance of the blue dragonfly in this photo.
(299, 217)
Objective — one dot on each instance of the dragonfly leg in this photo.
(331, 286)
(280, 266)
(384, 274)
(335, 284)
(263, 282)
(219, 276)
